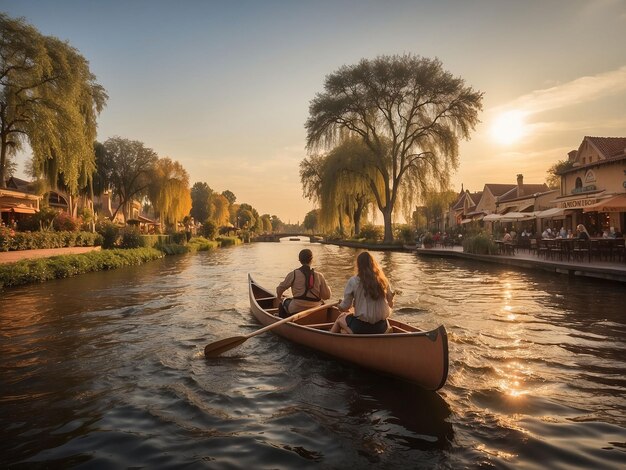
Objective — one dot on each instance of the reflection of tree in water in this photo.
(394, 416)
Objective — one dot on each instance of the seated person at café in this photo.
(563, 233)
(547, 233)
(507, 237)
(582, 232)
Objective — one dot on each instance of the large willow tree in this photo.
(341, 183)
(408, 111)
(169, 191)
(49, 99)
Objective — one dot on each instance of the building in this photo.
(17, 200)
(593, 190)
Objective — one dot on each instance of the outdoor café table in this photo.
(505, 248)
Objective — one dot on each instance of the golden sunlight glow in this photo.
(508, 127)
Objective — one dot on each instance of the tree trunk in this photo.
(387, 220)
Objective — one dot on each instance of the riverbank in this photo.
(15, 256)
(613, 271)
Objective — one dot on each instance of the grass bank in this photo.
(58, 267)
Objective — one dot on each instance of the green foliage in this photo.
(480, 244)
(51, 101)
(310, 220)
(153, 241)
(42, 220)
(405, 233)
(168, 190)
(44, 269)
(179, 238)
(110, 233)
(553, 179)
(229, 241)
(202, 244)
(408, 111)
(372, 232)
(65, 222)
(129, 169)
(174, 249)
(132, 238)
(208, 229)
(15, 241)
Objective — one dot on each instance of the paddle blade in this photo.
(218, 347)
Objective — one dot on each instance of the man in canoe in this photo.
(308, 287)
(372, 297)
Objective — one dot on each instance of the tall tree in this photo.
(266, 223)
(229, 196)
(409, 112)
(131, 166)
(341, 182)
(201, 195)
(168, 190)
(310, 220)
(50, 100)
(220, 212)
(276, 223)
(554, 173)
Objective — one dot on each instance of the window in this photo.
(579, 183)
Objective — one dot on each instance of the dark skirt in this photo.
(360, 327)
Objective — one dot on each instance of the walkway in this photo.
(14, 256)
(614, 271)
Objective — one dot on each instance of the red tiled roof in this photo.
(609, 146)
(500, 189)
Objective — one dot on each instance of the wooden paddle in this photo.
(218, 347)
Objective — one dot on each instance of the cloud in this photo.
(583, 89)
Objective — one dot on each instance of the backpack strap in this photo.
(309, 282)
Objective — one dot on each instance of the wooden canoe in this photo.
(421, 357)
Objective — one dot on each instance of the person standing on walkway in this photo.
(308, 287)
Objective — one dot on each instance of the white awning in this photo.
(552, 213)
(516, 216)
(492, 217)
(466, 221)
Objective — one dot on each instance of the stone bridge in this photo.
(275, 237)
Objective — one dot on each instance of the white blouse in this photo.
(366, 308)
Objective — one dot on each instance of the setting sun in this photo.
(508, 127)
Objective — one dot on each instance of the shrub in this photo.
(229, 241)
(64, 222)
(480, 244)
(405, 233)
(10, 240)
(202, 244)
(208, 230)
(110, 233)
(174, 249)
(155, 240)
(179, 238)
(131, 238)
(372, 232)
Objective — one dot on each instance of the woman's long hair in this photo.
(372, 277)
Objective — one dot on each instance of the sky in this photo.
(224, 87)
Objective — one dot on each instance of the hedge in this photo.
(15, 241)
(57, 267)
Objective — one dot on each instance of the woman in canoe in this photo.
(370, 294)
(308, 287)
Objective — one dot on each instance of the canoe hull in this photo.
(418, 356)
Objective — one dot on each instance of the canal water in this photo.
(106, 370)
